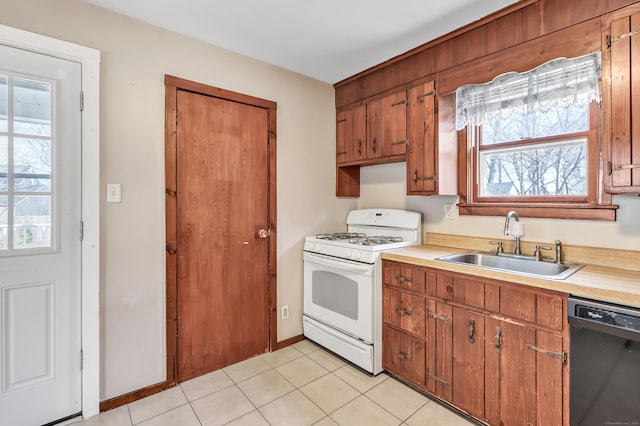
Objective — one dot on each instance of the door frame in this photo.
(172, 85)
(89, 59)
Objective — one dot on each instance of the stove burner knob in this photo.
(311, 247)
(349, 253)
(357, 255)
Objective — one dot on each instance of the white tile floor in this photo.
(299, 385)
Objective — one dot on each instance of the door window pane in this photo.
(31, 165)
(32, 221)
(4, 125)
(4, 163)
(32, 107)
(4, 222)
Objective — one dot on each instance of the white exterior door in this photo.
(40, 248)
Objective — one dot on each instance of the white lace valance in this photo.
(558, 83)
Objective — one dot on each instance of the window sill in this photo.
(547, 211)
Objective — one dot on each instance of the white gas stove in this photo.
(369, 232)
(343, 282)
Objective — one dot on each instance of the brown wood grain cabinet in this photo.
(371, 133)
(492, 349)
(401, 126)
(621, 52)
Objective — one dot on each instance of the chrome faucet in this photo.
(514, 215)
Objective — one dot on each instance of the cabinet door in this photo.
(623, 166)
(351, 135)
(374, 129)
(359, 147)
(468, 362)
(525, 375)
(439, 349)
(403, 355)
(421, 152)
(344, 132)
(394, 124)
(404, 310)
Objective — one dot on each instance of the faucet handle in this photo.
(538, 253)
(499, 244)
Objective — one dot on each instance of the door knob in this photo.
(264, 233)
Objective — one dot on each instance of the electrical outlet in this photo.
(450, 211)
(284, 312)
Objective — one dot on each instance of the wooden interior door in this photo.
(223, 231)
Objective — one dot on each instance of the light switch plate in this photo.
(114, 193)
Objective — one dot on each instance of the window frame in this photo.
(592, 164)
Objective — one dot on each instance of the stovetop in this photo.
(360, 238)
(370, 231)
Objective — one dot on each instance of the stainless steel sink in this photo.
(514, 264)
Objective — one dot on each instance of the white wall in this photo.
(385, 186)
(135, 58)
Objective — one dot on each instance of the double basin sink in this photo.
(515, 264)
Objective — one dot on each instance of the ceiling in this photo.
(329, 40)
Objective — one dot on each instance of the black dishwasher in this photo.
(605, 363)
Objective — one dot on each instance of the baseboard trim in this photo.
(134, 396)
(288, 342)
(118, 401)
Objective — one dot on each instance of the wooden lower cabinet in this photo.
(403, 355)
(482, 358)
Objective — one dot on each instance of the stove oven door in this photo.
(340, 294)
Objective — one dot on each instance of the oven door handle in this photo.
(337, 263)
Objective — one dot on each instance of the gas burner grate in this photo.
(375, 240)
(341, 236)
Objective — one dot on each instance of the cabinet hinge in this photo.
(612, 39)
(81, 101)
(344, 120)
(438, 317)
(562, 356)
(615, 167)
(421, 97)
(402, 102)
(437, 379)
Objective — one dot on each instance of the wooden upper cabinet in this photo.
(394, 124)
(374, 129)
(421, 153)
(351, 136)
(622, 41)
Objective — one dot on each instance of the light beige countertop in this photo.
(604, 283)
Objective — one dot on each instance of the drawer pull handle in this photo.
(472, 325)
(402, 311)
(402, 279)
(359, 147)
(403, 355)
(498, 340)
(438, 317)
(562, 356)
(437, 379)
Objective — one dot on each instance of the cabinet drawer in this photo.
(467, 291)
(404, 310)
(404, 276)
(403, 355)
(539, 308)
